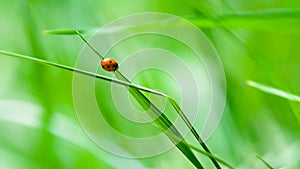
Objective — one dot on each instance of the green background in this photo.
(256, 40)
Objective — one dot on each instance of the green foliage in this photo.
(161, 120)
(257, 40)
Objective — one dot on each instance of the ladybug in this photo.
(109, 64)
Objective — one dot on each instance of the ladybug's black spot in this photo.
(110, 61)
(108, 67)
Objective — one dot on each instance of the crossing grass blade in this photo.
(161, 120)
(265, 162)
(211, 156)
(192, 129)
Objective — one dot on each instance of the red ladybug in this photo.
(109, 64)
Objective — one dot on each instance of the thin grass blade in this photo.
(274, 91)
(265, 162)
(40, 61)
(66, 31)
(192, 129)
(143, 99)
(211, 156)
(161, 120)
(280, 19)
(263, 20)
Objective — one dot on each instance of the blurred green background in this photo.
(256, 40)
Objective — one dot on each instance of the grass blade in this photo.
(192, 129)
(66, 31)
(40, 61)
(265, 162)
(161, 120)
(211, 156)
(263, 20)
(274, 91)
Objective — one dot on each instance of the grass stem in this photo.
(161, 120)
(138, 95)
(264, 161)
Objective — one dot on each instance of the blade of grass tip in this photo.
(161, 121)
(274, 91)
(264, 161)
(211, 156)
(90, 45)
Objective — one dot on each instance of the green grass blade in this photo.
(211, 156)
(90, 45)
(266, 20)
(193, 130)
(65, 31)
(274, 91)
(161, 120)
(265, 162)
(40, 61)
